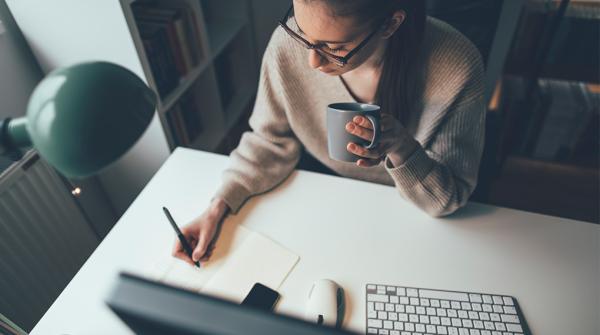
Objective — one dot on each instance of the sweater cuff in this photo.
(234, 195)
(413, 171)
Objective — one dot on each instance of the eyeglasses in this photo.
(337, 60)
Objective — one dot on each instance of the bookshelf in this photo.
(547, 105)
(200, 58)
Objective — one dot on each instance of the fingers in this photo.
(203, 244)
(363, 162)
(362, 152)
(362, 132)
(386, 122)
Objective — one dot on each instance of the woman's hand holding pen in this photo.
(395, 142)
(200, 233)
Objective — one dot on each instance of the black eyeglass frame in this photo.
(337, 60)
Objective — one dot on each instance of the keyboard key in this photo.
(452, 331)
(398, 325)
(474, 332)
(389, 307)
(476, 307)
(434, 303)
(487, 299)
(445, 304)
(404, 300)
(377, 297)
(509, 318)
(425, 302)
(456, 322)
(384, 332)
(410, 309)
(484, 316)
(443, 295)
(475, 298)
(441, 312)
(489, 325)
(374, 323)
(382, 315)
(463, 331)
(379, 306)
(420, 328)
(388, 324)
(380, 289)
(409, 327)
(391, 289)
(420, 310)
(430, 329)
(496, 333)
(434, 320)
(462, 314)
(399, 308)
(498, 309)
(442, 330)
(394, 332)
(512, 327)
(497, 300)
(467, 323)
(414, 301)
(486, 332)
(495, 317)
(371, 287)
(455, 304)
(392, 316)
(402, 317)
(487, 308)
(413, 318)
(371, 331)
(412, 292)
(452, 313)
(478, 324)
(430, 311)
(400, 291)
(473, 315)
(508, 301)
(424, 319)
(510, 310)
(445, 321)
(500, 326)
(394, 299)
(465, 305)
(372, 314)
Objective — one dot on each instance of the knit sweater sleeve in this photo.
(441, 174)
(268, 154)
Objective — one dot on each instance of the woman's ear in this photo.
(394, 23)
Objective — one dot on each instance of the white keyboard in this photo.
(397, 310)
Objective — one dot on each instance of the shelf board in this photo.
(184, 84)
(221, 33)
(237, 107)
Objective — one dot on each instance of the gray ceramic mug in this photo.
(338, 115)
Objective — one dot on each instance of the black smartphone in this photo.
(261, 297)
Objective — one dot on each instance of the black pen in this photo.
(184, 242)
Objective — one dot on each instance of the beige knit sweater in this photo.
(290, 113)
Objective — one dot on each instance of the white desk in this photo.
(355, 233)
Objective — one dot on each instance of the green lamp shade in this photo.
(84, 117)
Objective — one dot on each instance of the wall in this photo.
(64, 32)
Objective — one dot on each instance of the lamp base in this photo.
(7, 147)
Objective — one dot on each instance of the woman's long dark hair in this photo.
(397, 86)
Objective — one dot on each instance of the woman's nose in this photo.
(315, 59)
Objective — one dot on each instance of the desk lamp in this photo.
(81, 118)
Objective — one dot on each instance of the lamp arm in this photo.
(13, 136)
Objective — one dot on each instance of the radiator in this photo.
(44, 239)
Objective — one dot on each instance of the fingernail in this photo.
(352, 146)
(350, 126)
(358, 119)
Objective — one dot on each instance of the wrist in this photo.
(219, 207)
(400, 155)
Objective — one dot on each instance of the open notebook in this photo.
(241, 258)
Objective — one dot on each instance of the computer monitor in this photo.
(150, 308)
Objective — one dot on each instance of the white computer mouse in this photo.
(325, 303)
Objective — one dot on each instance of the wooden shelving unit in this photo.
(208, 99)
(557, 186)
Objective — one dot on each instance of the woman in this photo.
(426, 77)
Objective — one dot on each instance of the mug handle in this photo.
(376, 132)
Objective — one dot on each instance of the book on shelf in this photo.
(182, 46)
(178, 127)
